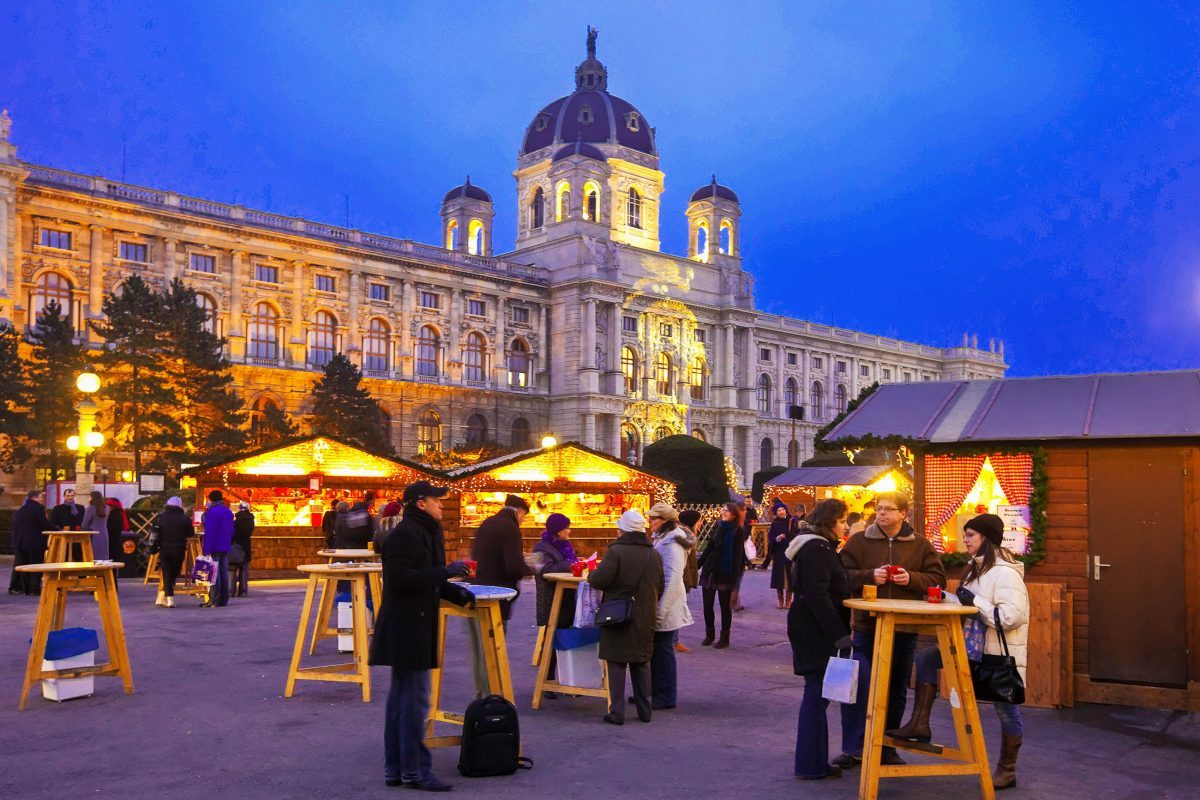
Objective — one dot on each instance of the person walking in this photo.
(890, 555)
(174, 527)
(672, 542)
(779, 536)
(555, 554)
(818, 627)
(355, 527)
(329, 521)
(689, 520)
(243, 529)
(29, 526)
(95, 519)
(749, 518)
(995, 584)
(721, 569)
(407, 630)
(218, 538)
(630, 570)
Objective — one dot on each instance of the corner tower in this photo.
(467, 215)
(714, 214)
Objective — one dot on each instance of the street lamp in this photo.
(89, 439)
(549, 441)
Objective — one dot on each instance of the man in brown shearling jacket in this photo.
(915, 566)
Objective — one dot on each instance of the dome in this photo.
(716, 190)
(579, 149)
(468, 191)
(590, 114)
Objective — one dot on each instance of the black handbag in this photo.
(996, 678)
(618, 612)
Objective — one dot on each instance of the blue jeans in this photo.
(405, 755)
(219, 594)
(854, 717)
(929, 661)
(662, 669)
(812, 729)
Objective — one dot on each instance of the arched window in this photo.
(766, 453)
(699, 434)
(520, 433)
(591, 202)
(51, 288)
(664, 374)
(322, 339)
(662, 432)
(475, 243)
(474, 356)
(631, 444)
(839, 398)
(477, 429)
(633, 209)
(518, 364)
(259, 412)
(376, 346)
(791, 394)
(264, 332)
(816, 399)
(428, 345)
(452, 234)
(764, 394)
(697, 378)
(537, 209)
(702, 240)
(429, 432)
(562, 202)
(629, 368)
(209, 307)
(726, 237)
(793, 454)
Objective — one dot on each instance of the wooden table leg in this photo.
(376, 579)
(152, 571)
(60, 606)
(537, 646)
(324, 612)
(305, 611)
(547, 644)
(358, 607)
(969, 728)
(114, 630)
(85, 549)
(881, 670)
(435, 675)
(41, 633)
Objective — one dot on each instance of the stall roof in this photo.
(830, 476)
(585, 463)
(324, 454)
(1113, 406)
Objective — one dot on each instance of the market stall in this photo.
(289, 488)
(590, 487)
(853, 485)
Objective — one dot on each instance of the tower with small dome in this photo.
(467, 214)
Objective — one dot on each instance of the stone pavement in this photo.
(208, 719)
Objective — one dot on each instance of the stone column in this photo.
(96, 259)
(8, 282)
(727, 355)
(353, 332)
(589, 430)
(296, 323)
(237, 317)
(544, 339)
(587, 361)
(500, 360)
(170, 261)
(613, 348)
(454, 338)
(403, 323)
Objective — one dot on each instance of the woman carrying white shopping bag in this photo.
(818, 626)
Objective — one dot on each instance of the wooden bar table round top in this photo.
(96, 578)
(356, 671)
(486, 614)
(58, 546)
(335, 555)
(969, 757)
(324, 628)
(562, 581)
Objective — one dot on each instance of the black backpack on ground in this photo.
(491, 741)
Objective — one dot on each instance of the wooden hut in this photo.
(854, 485)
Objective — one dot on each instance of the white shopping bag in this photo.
(841, 680)
(587, 600)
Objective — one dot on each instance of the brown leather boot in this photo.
(723, 642)
(709, 635)
(917, 729)
(1005, 776)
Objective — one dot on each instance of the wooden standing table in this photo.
(562, 581)
(356, 671)
(969, 757)
(59, 580)
(495, 653)
(195, 548)
(323, 630)
(58, 546)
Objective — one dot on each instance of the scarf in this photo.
(562, 545)
(115, 505)
(728, 534)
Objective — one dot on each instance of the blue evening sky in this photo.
(1022, 170)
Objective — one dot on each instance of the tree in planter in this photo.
(57, 357)
(344, 410)
(13, 419)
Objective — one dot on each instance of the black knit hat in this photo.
(989, 526)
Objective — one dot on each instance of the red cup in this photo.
(934, 594)
(893, 571)
(471, 565)
(577, 568)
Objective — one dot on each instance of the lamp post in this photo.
(89, 438)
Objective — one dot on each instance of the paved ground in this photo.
(209, 719)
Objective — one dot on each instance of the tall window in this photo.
(629, 368)
(631, 444)
(664, 374)
(51, 288)
(764, 394)
(520, 433)
(474, 352)
(429, 432)
(428, 343)
(210, 312)
(562, 202)
(452, 234)
(790, 391)
(264, 332)
(839, 398)
(376, 346)
(477, 429)
(322, 339)
(702, 241)
(518, 364)
(591, 202)
(697, 378)
(726, 237)
(633, 209)
(816, 399)
(766, 454)
(475, 243)
(537, 209)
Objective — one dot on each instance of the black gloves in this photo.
(457, 569)
(965, 596)
(844, 643)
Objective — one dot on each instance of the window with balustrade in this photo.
(377, 346)
(518, 364)
(322, 339)
(264, 332)
(474, 358)
(50, 288)
(428, 346)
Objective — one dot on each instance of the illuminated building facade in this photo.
(585, 329)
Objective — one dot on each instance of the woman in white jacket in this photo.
(672, 543)
(995, 581)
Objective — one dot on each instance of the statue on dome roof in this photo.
(591, 41)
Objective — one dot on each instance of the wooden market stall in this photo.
(289, 487)
(853, 484)
(1095, 476)
(590, 487)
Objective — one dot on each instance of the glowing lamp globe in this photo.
(549, 441)
(94, 439)
(72, 443)
(87, 382)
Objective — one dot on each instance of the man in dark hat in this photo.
(217, 522)
(498, 549)
(415, 581)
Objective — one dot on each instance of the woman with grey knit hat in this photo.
(173, 528)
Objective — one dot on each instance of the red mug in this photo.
(893, 571)
(934, 594)
(577, 568)
(471, 565)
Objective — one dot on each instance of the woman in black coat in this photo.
(721, 568)
(780, 535)
(818, 626)
(243, 529)
(173, 528)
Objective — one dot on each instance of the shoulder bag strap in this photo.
(1000, 630)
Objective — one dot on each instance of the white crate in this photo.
(59, 689)
(580, 667)
(345, 621)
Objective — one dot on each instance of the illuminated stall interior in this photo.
(957, 489)
(853, 485)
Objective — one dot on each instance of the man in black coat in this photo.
(29, 526)
(500, 552)
(67, 515)
(415, 581)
